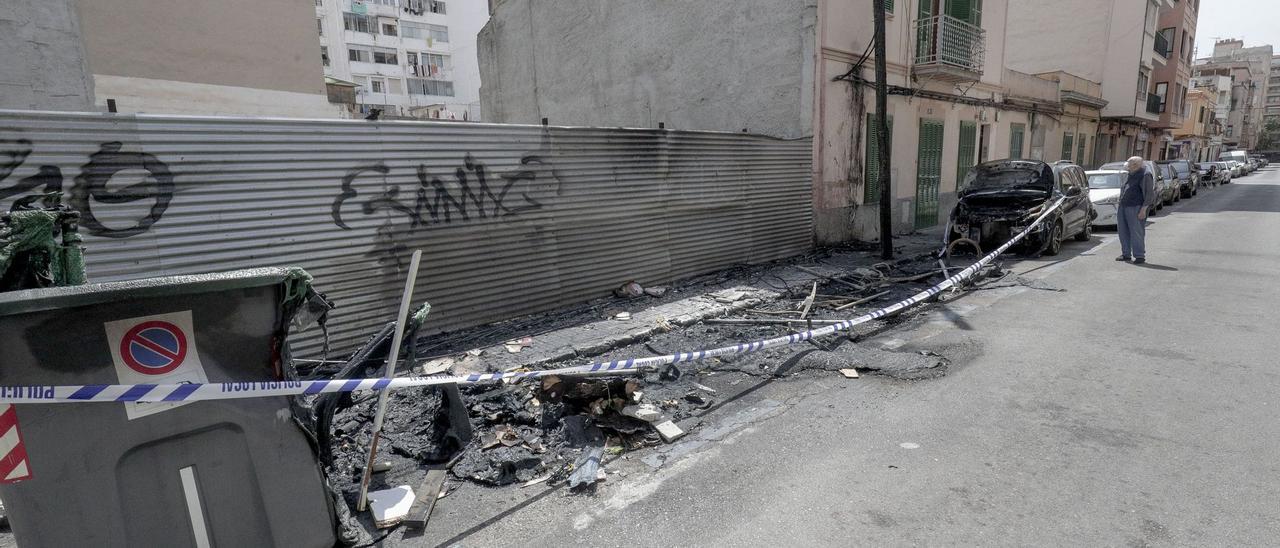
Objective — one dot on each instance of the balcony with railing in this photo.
(949, 49)
(1163, 45)
(1154, 104)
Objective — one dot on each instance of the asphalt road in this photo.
(1130, 406)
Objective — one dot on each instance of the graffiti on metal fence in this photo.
(473, 195)
(91, 184)
(434, 202)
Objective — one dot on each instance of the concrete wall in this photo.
(1050, 35)
(1098, 40)
(714, 65)
(229, 56)
(43, 65)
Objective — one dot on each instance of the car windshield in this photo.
(1106, 180)
(1180, 167)
(997, 177)
(1113, 165)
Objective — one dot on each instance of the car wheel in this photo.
(1085, 233)
(1054, 245)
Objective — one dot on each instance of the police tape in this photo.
(156, 393)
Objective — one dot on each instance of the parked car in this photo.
(1262, 160)
(1224, 172)
(1104, 193)
(1238, 156)
(1000, 198)
(1186, 175)
(1164, 187)
(1210, 173)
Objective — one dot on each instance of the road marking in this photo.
(909, 445)
(198, 525)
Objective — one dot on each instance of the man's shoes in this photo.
(1139, 260)
(1122, 259)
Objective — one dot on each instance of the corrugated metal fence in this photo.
(512, 219)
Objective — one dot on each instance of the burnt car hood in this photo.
(1000, 205)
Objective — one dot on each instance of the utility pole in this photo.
(882, 137)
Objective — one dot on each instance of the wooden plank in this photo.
(425, 501)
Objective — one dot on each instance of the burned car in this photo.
(1001, 198)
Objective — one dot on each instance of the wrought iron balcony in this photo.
(949, 49)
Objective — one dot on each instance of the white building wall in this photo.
(462, 18)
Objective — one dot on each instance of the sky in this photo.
(1257, 22)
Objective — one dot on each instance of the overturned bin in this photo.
(206, 473)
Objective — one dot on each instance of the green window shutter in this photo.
(888, 6)
(1017, 133)
(871, 162)
(966, 151)
(926, 9)
(960, 9)
(1080, 148)
(1066, 146)
(928, 172)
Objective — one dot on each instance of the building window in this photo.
(1202, 115)
(430, 87)
(385, 56)
(359, 23)
(1164, 42)
(435, 6)
(420, 31)
(389, 3)
(1142, 85)
(888, 6)
(1162, 92)
(1016, 132)
(377, 86)
(324, 55)
(1231, 130)
(1067, 142)
(357, 54)
(319, 3)
(389, 29)
(320, 25)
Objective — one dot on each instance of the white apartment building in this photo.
(408, 58)
(1220, 87)
(1100, 41)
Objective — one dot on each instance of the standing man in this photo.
(1136, 196)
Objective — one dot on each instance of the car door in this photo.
(1073, 188)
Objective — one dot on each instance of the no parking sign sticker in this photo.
(158, 349)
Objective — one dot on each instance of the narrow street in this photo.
(1135, 405)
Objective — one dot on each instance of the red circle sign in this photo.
(153, 347)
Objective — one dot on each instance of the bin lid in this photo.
(52, 298)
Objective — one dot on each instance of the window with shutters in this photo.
(965, 152)
(1080, 148)
(928, 172)
(871, 162)
(1066, 146)
(1016, 133)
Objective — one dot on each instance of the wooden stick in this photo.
(392, 357)
(808, 301)
(862, 300)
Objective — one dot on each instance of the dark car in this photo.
(1210, 173)
(1186, 175)
(999, 199)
